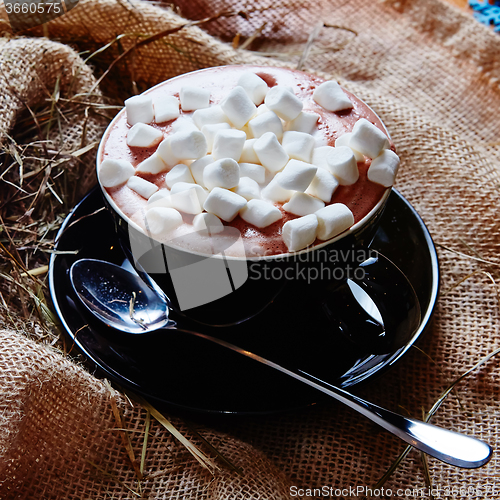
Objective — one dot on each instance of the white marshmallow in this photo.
(297, 175)
(260, 213)
(142, 187)
(342, 164)
(320, 140)
(247, 131)
(189, 145)
(160, 220)
(323, 185)
(160, 199)
(319, 156)
(229, 144)
(144, 136)
(284, 103)
(223, 173)
(179, 173)
(344, 140)
(209, 116)
(179, 187)
(270, 152)
(330, 96)
(113, 173)
(184, 124)
(302, 204)
(185, 199)
(254, 171)
(193, 98)
(262, 109)
(238, 107)
(166, 108)
(152, 165)
(187, 202)
(367, 138)
(198, 166)
(207, 223)
(298, 145)
(223, 203)
(274, 192)
(332, 220)
(248, 154)
(210, 131)
(164, 151)
(247, 188)
(266, 122)
(305, 122)
(255, 87)
(300, 233)
(384, 168)
(139, 109)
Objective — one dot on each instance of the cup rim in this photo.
(285, 255)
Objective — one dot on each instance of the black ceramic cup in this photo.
(219, 288)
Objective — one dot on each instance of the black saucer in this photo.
(173, 369)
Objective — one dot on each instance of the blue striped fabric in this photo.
(487, 13)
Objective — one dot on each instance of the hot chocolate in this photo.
(287, 159)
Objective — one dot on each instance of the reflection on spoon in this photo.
(123, 301)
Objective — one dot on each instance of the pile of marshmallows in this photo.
(262, 152)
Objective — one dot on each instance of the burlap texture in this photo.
(433, 75)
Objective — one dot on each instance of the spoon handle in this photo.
(450, 447)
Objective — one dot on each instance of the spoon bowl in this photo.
(119, 298)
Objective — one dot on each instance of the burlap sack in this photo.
(433, 75)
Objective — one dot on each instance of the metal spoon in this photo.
(123, 301)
